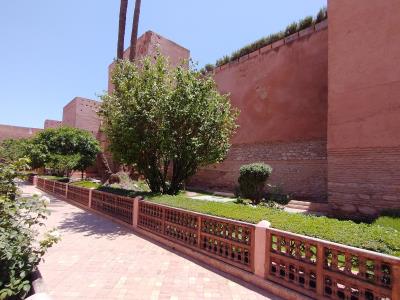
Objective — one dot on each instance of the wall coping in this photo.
(323, 25)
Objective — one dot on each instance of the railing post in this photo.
(66, 190)
(320, 269)
(34, 180)
(90, 197)
(260, 248)
(199, 231)
(135, 213)
(54, 185)
(396, 282)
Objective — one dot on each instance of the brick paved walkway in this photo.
(98, 259)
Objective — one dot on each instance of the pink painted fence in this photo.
(316, 268)
(224, 239)
(115, 206)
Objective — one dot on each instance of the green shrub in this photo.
(252, 180)
(20, 251)
(306, 22)
(222, 61)
(291, 29)
(275, 194)
(209, 67)
(322, 15)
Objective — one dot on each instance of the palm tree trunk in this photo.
(135, 28)
(121, 30)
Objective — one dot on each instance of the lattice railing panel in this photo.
(48, 186)
(366, 268)
(40, 183)
(228, 241)
(150, 223)
(320, 269)
(78, 194)
(60, 188)
(115, 206)
(232, 231)
(339, 287)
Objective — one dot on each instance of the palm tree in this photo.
(121, 30)
(135, 27)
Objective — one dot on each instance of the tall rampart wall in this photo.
(364, 106)
(281, 91)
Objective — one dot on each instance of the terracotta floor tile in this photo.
(98, 259)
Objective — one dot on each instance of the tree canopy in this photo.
(63, 149)
(167, 121)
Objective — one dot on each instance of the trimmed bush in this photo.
(252, 181)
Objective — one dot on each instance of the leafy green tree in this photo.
(166, 121)
(13, 149)
(63, 149)
(20, 249)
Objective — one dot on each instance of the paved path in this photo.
(98, 259)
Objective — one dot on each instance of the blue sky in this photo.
(54, 50)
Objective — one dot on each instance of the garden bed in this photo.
(375, 237)
(381, 236)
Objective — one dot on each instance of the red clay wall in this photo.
(364, 105)
(52, 124)
(82, 113)
(16, 132)
(281, 92)
(148, 44)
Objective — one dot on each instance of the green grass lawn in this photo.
(389, 222)
(383, 239)
(50, 177)
(86, 184)
(381, 236)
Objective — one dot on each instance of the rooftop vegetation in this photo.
(265, 41)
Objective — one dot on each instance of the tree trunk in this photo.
(107, 169)
(135, 28)
(121, 30)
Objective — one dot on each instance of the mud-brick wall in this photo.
(364, 106)
(82, 113)
(281, 92)
(17, 132)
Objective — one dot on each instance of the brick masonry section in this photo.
(364, 181)
(299, 168)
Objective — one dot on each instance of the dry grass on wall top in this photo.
(292, 28)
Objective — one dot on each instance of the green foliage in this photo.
(159, 117)
(390, 222)
(305, 23)
(322, 15)
(62, 164)
(265, 41)
(8, 173)
(275, 194)
(20, 252)
(291, 29)
(252, 181)
(222, 61)
(389, 218)
(86, 184)
(63, 149)
(12, 149)
(366, 236)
